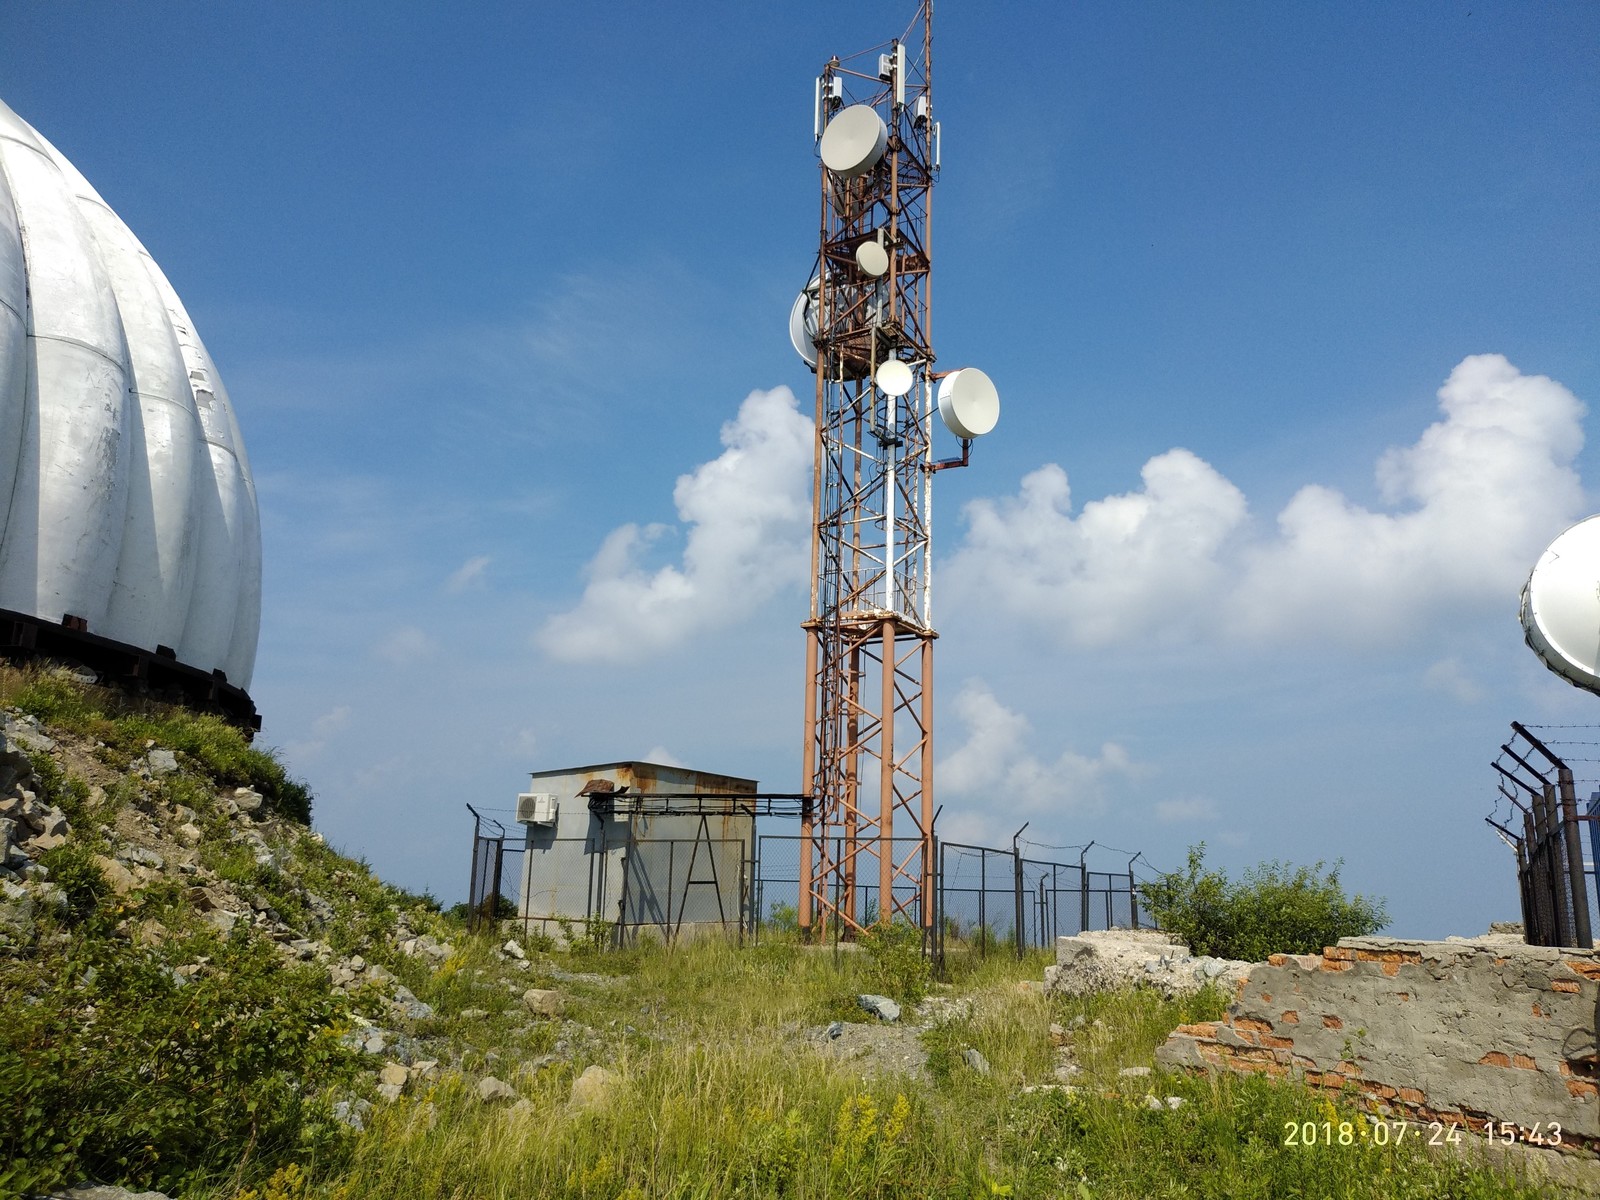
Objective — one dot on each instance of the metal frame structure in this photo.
(1550, 873)
(869, 648)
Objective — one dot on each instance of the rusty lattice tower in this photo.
(864, 324)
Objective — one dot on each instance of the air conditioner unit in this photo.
(536, 808)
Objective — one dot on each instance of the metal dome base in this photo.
(157, 674)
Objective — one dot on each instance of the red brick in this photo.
(1589, 970)
(1329, 964)
(1205, 1029)
(1564, 985)
(1277, 1043)
(1580, 1089)
(1290, 1018)
(1411, 1096)
(1523, 1063)
(1391, 967)
(1277, 960)
(1337, 954)
(1494, 1059)
(1266, 997)
(1332, 1023)
(1252, 1023)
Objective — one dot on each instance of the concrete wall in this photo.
(1466, 1031)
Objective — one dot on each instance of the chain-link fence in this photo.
(984, 898)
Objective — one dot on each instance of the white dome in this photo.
(125, 495)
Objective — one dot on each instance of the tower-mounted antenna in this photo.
(863, 324)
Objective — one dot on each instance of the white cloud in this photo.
(468, 574)
(1450, 678)
(1184, 808)
(661, 756)
(1469, 507)
(747, 513)
(1121, 564)
(405, 645)
(323, 728)
(994, 767)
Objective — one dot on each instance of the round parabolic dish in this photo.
(969, 405)
(893, 378)
(803, 325)
(1561, 606)
(872, 258)
(854, 141)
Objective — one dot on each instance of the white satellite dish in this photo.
(968, 403)
(854, 141)
(873, 259)
(803, 323)
(1561, 606)
(893, 378)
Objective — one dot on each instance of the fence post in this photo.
(472, 887)
(1016, 886)
(1083, 889)
(1578, 886)
(983, 904)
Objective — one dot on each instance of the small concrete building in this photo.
(642, 845)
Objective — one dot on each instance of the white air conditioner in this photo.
(536, 808)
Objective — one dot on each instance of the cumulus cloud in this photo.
(1467, 508)
(993, 765)
(747, 513)
(468, 574)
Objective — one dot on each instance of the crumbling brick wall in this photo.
(1467, 1031)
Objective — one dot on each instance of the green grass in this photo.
(220, 1087)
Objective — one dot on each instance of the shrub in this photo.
(899, 968)
(1273, 909)
(113, 1065)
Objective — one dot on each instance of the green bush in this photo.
(899, 968)
(1273, 909)
(113, 1065)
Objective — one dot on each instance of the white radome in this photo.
(125, 494)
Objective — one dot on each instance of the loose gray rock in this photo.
(881, 1007)
(353, 1113)
(512, 949)
(1133, 1073)
(543, 1002)
(162, 762)
(593, 1087)
(976, 1061)
(93, 1191)
(835, 1030)
(495, 1091)
(248, 800)
(394, 1073)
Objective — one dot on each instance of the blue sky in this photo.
(500, 291)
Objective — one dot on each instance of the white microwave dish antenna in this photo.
(1561, 606)
(969, 405)
(893, 377)
(803, 323)
(854, 141)
(873, 259)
